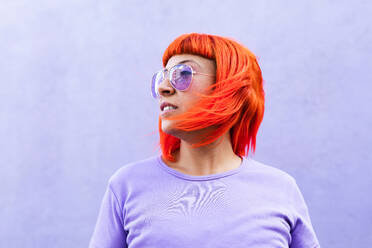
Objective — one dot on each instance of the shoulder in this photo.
(133, 171)
(271, 173)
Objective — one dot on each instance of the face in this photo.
(183, 100)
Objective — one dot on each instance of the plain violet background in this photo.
(75, 105)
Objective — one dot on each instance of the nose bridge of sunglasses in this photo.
(164, 77)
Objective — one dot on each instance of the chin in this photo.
(166, 127)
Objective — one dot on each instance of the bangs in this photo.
(196, 44)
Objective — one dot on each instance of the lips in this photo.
(164, 104)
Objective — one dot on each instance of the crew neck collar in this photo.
(181, 175)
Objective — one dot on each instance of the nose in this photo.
(165, 88)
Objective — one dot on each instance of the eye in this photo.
(185, 73)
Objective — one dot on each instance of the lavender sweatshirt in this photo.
(147, 204)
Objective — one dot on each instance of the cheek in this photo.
(201, 85)
(194, 96)
(187, 101)
(190, 97)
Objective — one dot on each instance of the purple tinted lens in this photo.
(181, 76)
(156, 80)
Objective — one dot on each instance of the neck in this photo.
(216, 157)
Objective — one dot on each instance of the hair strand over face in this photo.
(236, 102)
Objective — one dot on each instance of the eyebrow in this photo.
(188, 60)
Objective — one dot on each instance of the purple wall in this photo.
(75, 105)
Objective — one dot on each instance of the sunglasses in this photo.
(180, 77)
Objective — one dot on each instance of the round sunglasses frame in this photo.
(167, 75)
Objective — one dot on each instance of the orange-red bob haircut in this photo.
(235, 102)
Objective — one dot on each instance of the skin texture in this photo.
(213, 158)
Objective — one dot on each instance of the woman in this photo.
(203, 190)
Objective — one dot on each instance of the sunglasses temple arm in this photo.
(203, 74)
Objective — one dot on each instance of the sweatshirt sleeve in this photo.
(109, 229)
(302, 232)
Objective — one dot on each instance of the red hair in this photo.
(236, 101)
